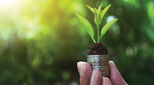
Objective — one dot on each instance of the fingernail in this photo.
(81, 67)
(93, 76)
(111, 62)
(78, 65)
(104, 80)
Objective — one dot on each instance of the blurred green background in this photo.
(42, 40)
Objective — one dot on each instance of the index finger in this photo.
(85, 72)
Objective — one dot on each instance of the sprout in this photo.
(98, 17)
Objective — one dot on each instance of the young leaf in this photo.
(95, 16)
(99, 14)
(91, 9)
(107, 26)
(104, 11)
(99, 8)
(87, 26)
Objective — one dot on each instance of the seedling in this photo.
(98, 18)
(98, 55)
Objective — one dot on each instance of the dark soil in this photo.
(97, 49)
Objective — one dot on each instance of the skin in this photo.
(89, 77)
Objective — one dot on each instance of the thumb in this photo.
(115, 76)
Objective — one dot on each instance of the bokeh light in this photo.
(9, 3)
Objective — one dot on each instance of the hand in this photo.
(89, 77)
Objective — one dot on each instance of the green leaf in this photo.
(107, 26)
(95, 16)
(87, 26)
(91, 9)
(104, 11)
(99, 8)
(95, 11)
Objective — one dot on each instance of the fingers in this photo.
(115, 76)
(96, 78)
(85, 73)
(106, 81)
(89, 77)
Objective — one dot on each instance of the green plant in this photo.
(98, 17)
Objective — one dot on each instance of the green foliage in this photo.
(91, 9)
(107, 27)
(104, 11)
(98, 17)
(88, 27)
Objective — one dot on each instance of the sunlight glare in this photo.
(8, 3)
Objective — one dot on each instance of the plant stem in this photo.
(98, 33)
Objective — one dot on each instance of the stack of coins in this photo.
(99, 62)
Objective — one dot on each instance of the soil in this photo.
(97, 49)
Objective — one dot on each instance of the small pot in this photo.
(99, 62)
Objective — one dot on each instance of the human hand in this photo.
(89, 77)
